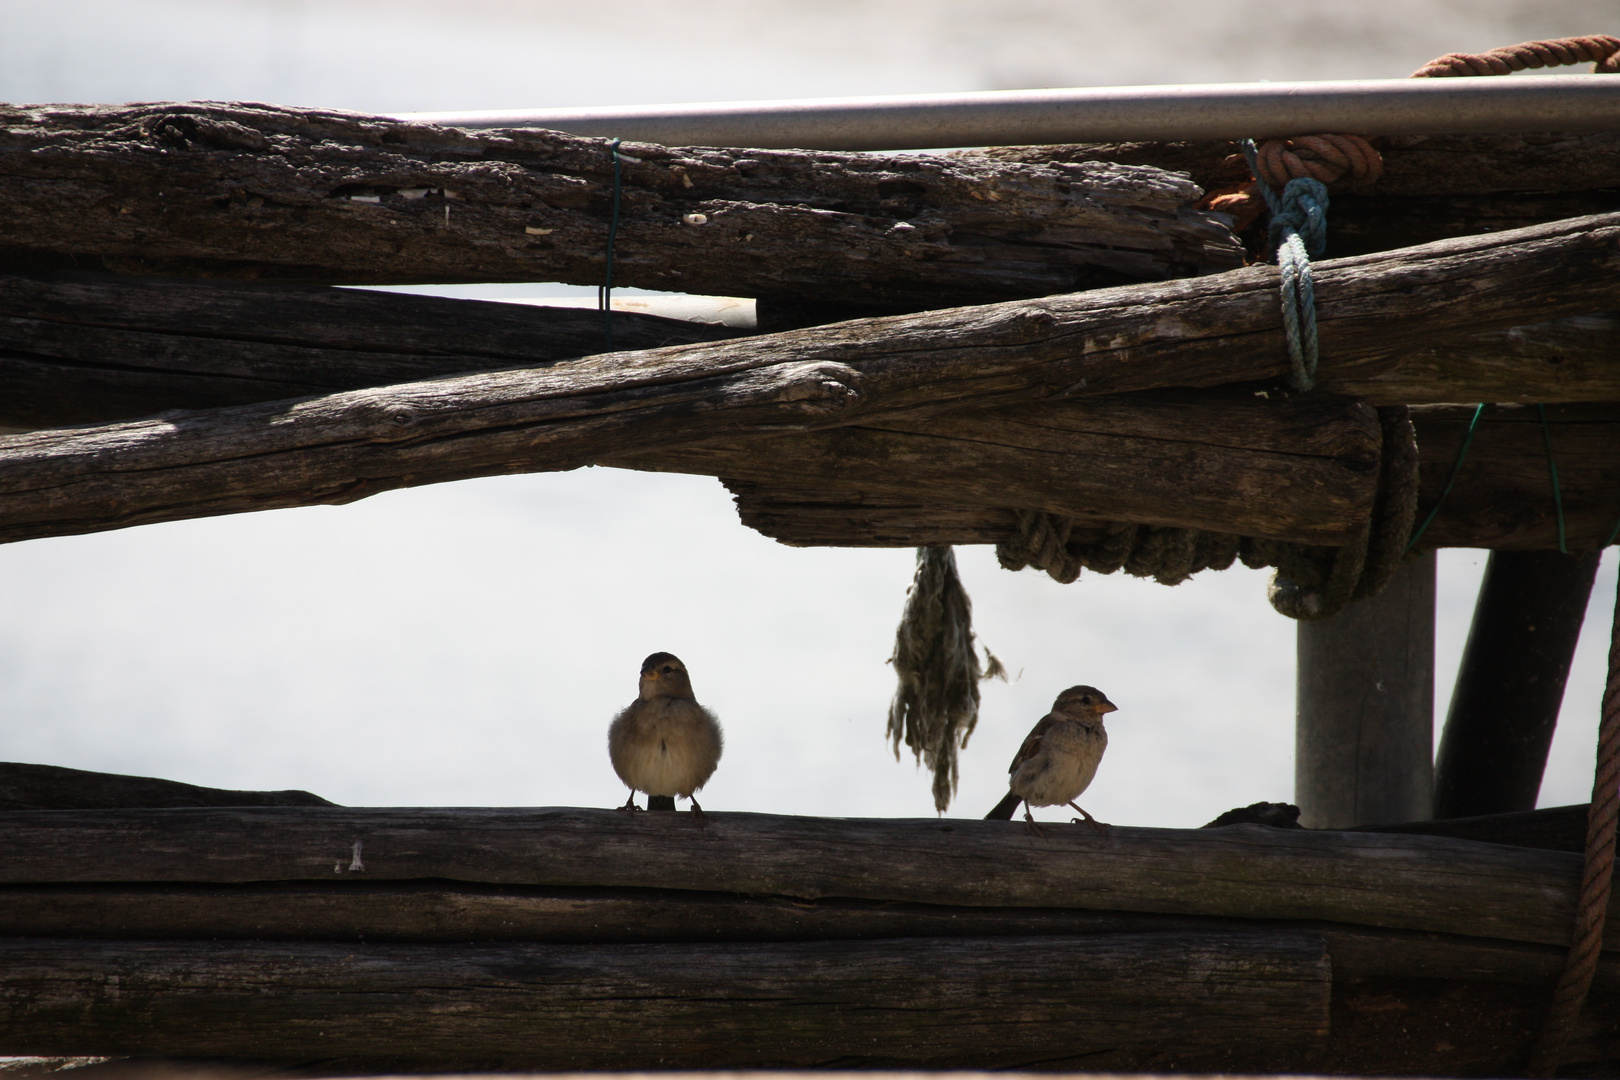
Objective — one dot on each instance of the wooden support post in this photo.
(1364, 724)
(1511, 682)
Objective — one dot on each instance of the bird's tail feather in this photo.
(662, 802)
(1004, 809)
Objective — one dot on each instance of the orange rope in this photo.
(1351, 159)
(1601, 50)
(1596, 880)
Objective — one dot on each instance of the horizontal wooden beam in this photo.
(83, 348)
(1415, 166)
(921, 1003)
(86, 348)
(257, 191)
(1397, 882)
(1303, 469)
(870, 485)
(1199, 332)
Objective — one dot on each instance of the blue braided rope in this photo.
(1456, 467)
(604, 295)
(1552, 467)
(1298, 230)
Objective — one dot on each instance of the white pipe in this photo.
(1097, 114)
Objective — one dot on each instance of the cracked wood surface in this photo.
(243, 190)
(1194, 333)
(1105, 999)
(957, 478)
(1393, 881)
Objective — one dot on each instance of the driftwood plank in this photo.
(450, 913)
(930, 1003)
(1414, 165)
(79, 348)
(215, 189)
(1200, 332)
(866, 486)
(51, 787)
(1303, 470)
(1399, 882)
(1562, 361)
(82, 348)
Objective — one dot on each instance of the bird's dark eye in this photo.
(667, 669)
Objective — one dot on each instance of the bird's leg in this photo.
(696, 809)
(1030, 824)
(630, 803)
(1093, 822)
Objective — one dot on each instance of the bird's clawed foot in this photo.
(630, 803)
(696, 809)
(1093, 822)
(1031, 826)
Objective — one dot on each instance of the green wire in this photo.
(1552, 467)
(1456, 466)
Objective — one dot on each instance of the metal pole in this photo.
(1364, 726)
(1094, 114)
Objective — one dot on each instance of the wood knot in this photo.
(185, 131)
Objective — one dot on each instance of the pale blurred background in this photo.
(466, 644)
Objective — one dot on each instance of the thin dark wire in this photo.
(604, 295)
(1614, 532)
(1456, 467)
(1552, 467)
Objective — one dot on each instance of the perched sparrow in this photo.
(664, 743)
(1060, 756)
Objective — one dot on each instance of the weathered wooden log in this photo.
(1421, 883)
(929, 1003)
(216, 189)
(1414, 165)
(1303, 470)
(1433, 186)
(1565, 360)
(1199, 332)
(81, 348)
(51, 787)
(871, 486)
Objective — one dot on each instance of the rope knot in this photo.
(1302, 209)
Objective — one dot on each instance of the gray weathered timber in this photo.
(1104, 999)
(51, 787)
(1415, 166)
(213, 189)
(1399, 882)
(80, 348)
(85, 348)
(873, 487)
(1562, 361)
(452, 913)
(1303, 470)
(1201, 332)
(1364, 707)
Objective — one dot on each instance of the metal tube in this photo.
(1095, 114)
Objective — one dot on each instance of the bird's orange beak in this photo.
(1107, 707)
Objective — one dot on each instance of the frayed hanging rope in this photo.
(937, 702)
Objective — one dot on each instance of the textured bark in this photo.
(1423, 883)
(1566, 360)
(1304, 470)
(80, 348)
(50, 787)
(298, 194)
(924, 1003)
(865, 487)
(1414, 165)
(1197, 333)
